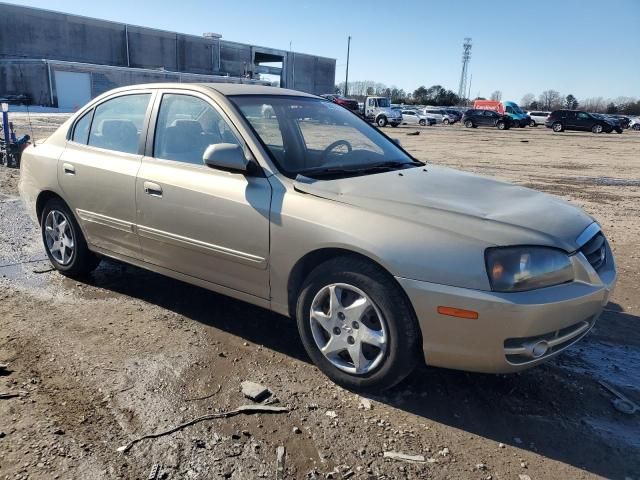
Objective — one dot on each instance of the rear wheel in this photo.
(618, 130)
(597, 128)
(557, 127)
(64, 242)
(422, 123)
(357, 325)
(446, 121)
(636, 126)
(381, 121)
(501, 125)
(468, 124)
(533, 123)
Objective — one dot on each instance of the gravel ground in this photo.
(95, 364)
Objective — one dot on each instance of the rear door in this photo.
(206, 223)
(97, 170)
(409, 117)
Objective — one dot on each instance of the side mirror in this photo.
(226, 156)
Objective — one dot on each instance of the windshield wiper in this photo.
(388, 165)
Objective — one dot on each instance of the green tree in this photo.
(571, 102)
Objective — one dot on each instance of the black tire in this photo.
(636, 126)
(468, 124)
(557, 127)
(533, 123)
(403, 348)
(597, 128)
(618, 130)
(381, 121)
(422, 123)
(501, 125)
(394, 125)
(446, 121)
(82, 260)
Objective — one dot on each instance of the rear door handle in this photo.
(68, 169)
(152, 189)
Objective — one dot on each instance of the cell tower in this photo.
(466, 56)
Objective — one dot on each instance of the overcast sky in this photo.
(584, 47)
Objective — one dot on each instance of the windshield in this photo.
(383, 102)
(308, 135)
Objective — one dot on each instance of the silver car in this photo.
(412, 117)
(383, 261)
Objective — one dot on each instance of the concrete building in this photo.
(63, 60)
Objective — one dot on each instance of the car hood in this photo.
(488, 210)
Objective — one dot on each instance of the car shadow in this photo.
(546, 410)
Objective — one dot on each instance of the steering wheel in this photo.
(334, 145)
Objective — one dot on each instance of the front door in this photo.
(206, 223)
(97, 171)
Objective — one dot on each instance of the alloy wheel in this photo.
(348, 328)
(59, 237)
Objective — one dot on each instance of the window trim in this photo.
(153, 124)
(72, 130)
(95, 104)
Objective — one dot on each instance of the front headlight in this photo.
(517, 269)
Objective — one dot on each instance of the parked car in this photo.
(622, 120)
(512, 109)
(411, 117)
(317, 215)
(441, 115)
(347, 103)
(561, 120)
(537, 118)
(378, 110)
(619, 123)
(634, 123)
(486, 118)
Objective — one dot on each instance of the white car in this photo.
(411, 117)
(635, 123)
(537, 118)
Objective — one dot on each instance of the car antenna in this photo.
(33, 140)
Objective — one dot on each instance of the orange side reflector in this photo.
(458, 312)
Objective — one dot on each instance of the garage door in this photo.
(73, 89)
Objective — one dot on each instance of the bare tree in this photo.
(550, 99)
(527, 100)
(497, 95)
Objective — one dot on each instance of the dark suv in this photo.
(486, 118)
(561, 120)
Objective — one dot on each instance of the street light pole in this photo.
(346, 80)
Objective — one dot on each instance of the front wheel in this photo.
(533, 123)
(501, 125)
(357, 325)
(618, 130)
(557, 127)
(446, 121)
(468, 124)
(381, 122)
(64, 242)
(394, 125)
(636, 126)
(422, 123)
(597, 128)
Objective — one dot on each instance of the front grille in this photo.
(596, 251)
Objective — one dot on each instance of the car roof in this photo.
(222, 88)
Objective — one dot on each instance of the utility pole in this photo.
(346, 80)
(466, 56)
(469, 96)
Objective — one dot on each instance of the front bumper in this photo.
(509, 324)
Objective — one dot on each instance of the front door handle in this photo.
(68, 169)
(152, 189)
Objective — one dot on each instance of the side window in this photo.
(81, 130)
(509, 109)
(583, 116)
(370, 102)
(186, 126)
(117, 123)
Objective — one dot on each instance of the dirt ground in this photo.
(94, 364)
